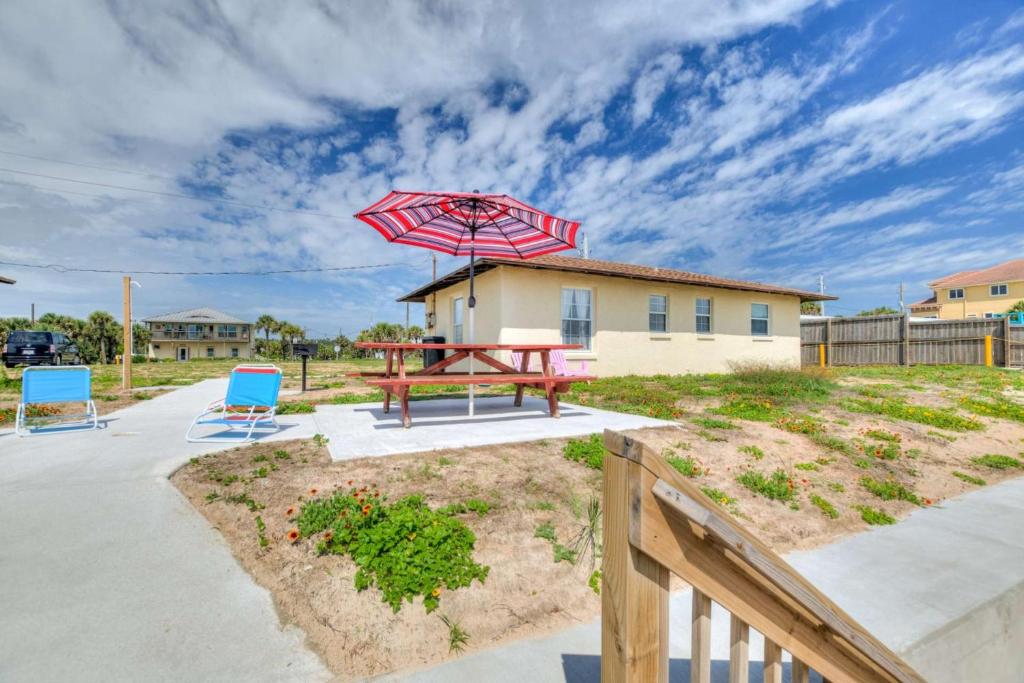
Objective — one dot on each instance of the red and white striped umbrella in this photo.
(469, 224)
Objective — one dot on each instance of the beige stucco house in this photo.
(630, 319)
(983, 293)
(199, 333)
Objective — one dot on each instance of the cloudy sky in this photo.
(874, 142)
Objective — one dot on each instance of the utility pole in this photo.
(126, 356)
(821, 289)
(33, 315)
(406, 317)
(586, 246)
(902, 308)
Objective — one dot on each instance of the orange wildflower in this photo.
(293, 535)
(328, 535)
(312, 492)
(349, 482)
(289, 512)
(366, 509)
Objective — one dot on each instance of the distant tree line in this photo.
(280, 336)
(99, 337)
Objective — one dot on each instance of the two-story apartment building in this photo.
(199, 333)
(984, 293)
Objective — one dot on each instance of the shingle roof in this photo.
(930, 302)
(611, 269)
(1008, 271)
(196, 315)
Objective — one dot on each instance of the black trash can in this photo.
(431, 356)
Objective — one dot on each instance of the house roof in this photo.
(930, 302)
(610, 269)
(199, 316)
(1008, 271)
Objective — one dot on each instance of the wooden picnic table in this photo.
(398, 381)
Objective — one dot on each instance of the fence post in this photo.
(988, 350)
(905, 339)
(634, 588)
(821, 355)
(828, 342)
(1007, 342)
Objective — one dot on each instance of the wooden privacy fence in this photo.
(657, 523)
(898, 340)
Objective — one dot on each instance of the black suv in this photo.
(37, 348)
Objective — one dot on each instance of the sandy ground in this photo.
(527, 593)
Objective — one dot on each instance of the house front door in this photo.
(183, 353)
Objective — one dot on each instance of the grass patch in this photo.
(776, 486)
(710, 436)
(883, 435)
(543, 505)
(963, 476)
(684, 465)
(827, 508)
(405, 549)
(747, 409)
(889, 489)
(900, 410)
(874, 516)
(712, 423)
(998, 407)
(295, 408)
(589, 451)
(808, 466)
(997, 462)
(458, 637)
(753, 451)
(546, 531)
(480, 507)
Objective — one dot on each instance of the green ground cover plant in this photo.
(480, 507)
(874, 516)
(883, 435)
(970, 479)
(589, 451)
(890, 489)
(999, 407)
(942, 418)
(546, 530)
(719, 496)
(405, 548)
(749, 409)
(712, 423)
(808, 466)
(753, 451)
(997, 462)
(686, 466)
(827, 508)
(776, 486)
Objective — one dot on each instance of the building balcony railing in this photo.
(161, 335)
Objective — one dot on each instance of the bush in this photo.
(589, 451)
(405, 549)
(777, 486)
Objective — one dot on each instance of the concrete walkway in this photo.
(108, 574)
(944, 588)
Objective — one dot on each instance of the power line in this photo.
(68, 269)
(175, 195)
(96, 167)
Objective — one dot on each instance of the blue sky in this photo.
(873, 142)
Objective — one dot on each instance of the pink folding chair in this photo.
(558, 364)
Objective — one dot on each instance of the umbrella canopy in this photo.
(469, 224)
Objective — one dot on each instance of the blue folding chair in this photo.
(250, 404)
(42, 386)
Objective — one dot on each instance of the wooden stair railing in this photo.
(657, 522)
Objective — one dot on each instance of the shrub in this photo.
(874, 516)
(405, 549)
(997, 462)
(589, 451)
(977, 481)
(889, 489)
(777, 486)
(827, 508)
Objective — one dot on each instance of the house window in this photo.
(209, 352)
(156, 347)
(228, 331)
(234, 352)
(990, 316)
(457, 320)
(956, 294)
(195, 331)
(704, 316)
(657, 315)
(759, 320)
(997, 290)
(576, 317)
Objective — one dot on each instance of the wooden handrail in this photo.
(657, 522)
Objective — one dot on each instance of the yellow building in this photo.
(974, 293)
(199, 333)
(629, 319)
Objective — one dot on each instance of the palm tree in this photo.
(288, 334)
(266, 324)
(103, 329)
(414, 333)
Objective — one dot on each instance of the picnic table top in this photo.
(413, 346)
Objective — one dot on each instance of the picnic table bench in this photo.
(395, 380)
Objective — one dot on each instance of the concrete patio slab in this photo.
(107, 573)
(364, 429)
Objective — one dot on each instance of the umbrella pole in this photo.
(472, 308)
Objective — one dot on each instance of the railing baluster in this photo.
(801, 672)
(700, 639)
(772, 662)
(739, 651)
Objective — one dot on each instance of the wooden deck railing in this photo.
(657, 522)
